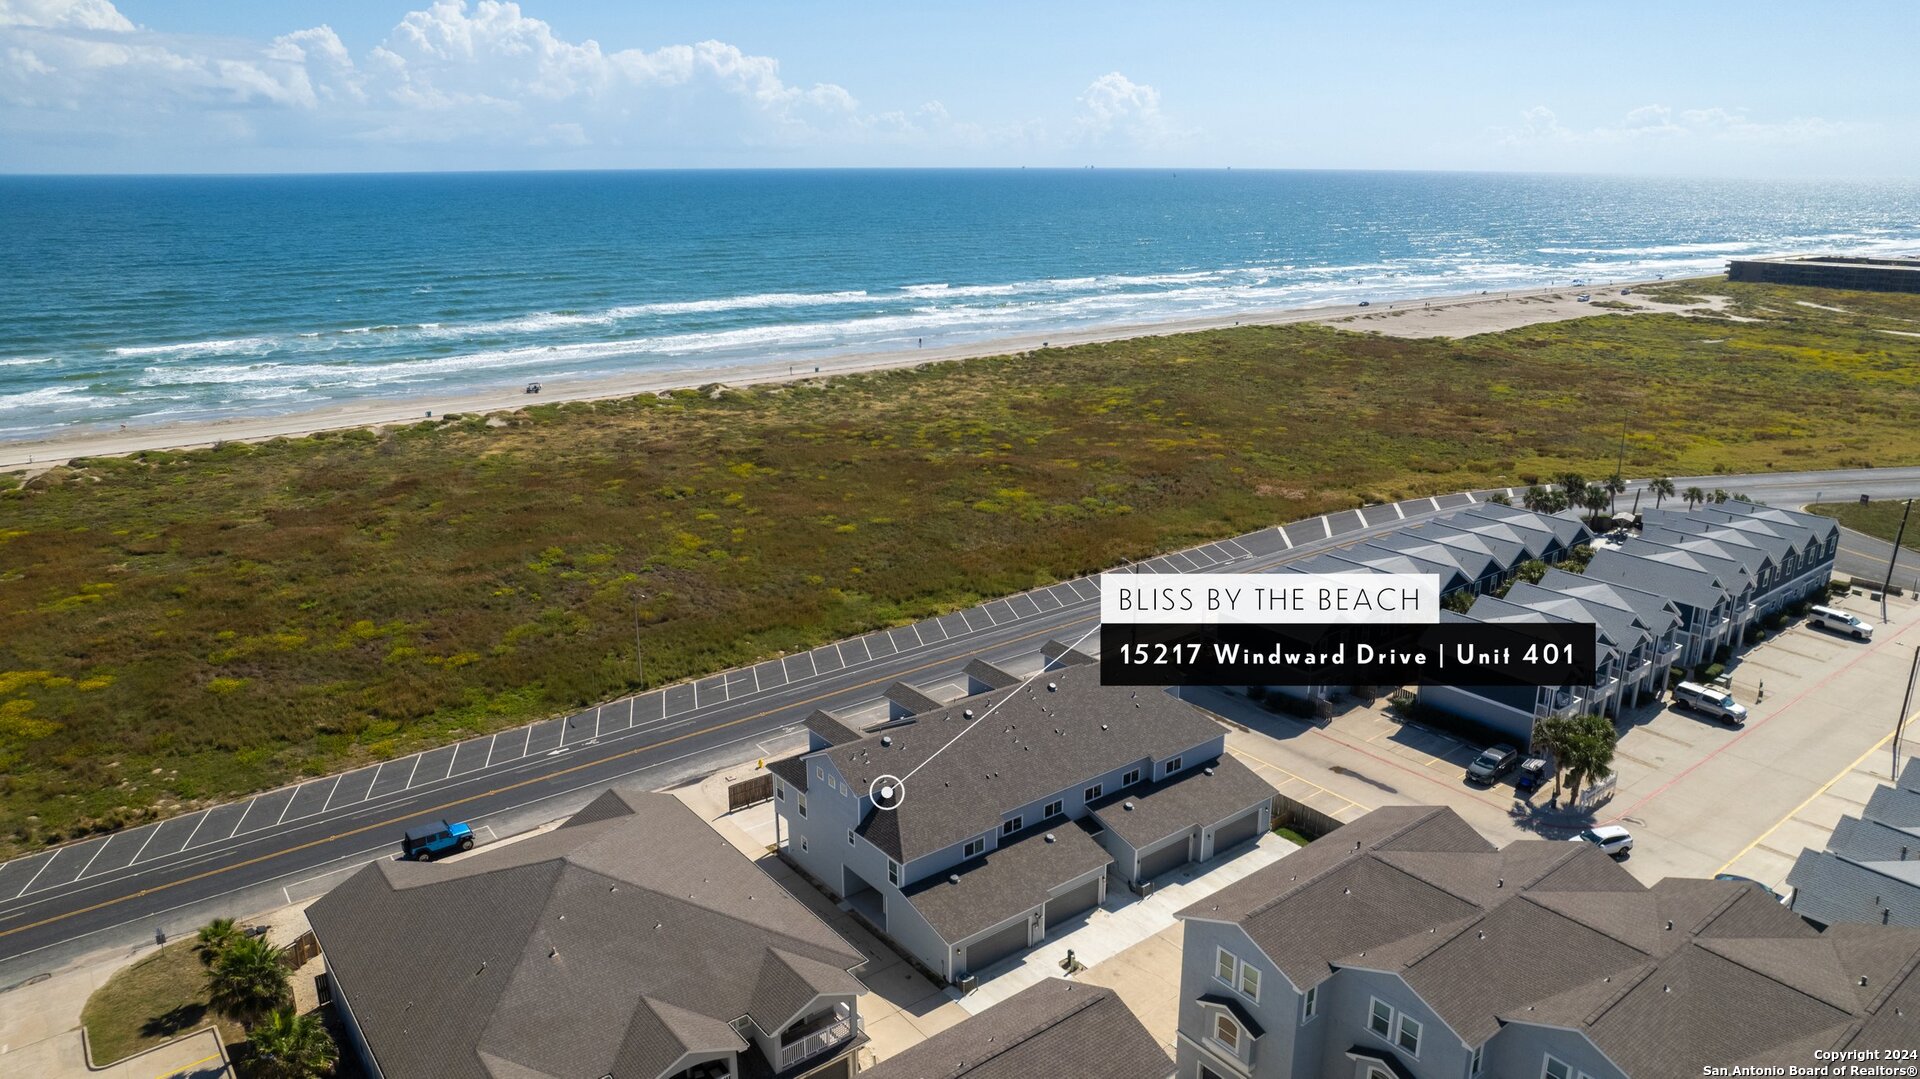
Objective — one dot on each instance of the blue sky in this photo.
(1749, 89)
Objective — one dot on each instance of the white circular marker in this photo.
(887, 791)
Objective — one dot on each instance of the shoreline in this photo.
(1502, 309)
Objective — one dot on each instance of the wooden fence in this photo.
(749, 791)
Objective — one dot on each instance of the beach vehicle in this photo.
(1366, 303)
(1533, 774)
(425, 843)
(1711, 701)
(1583, 298)
(1614, 841)
(1840, 621)
(1737, 878)
(1492, 763)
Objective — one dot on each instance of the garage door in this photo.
(1171, 856)
(987, 951)
(1073, 903)
(1235, 832)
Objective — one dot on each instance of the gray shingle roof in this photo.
(1656, 612)
(1566, 527)
(988, 675)
(1054, 1028)
(1011, 879)
(1037, 743)
(1662, 979)
(911, 699)
(831, 729)
(1727, 571)
(1682, 585)
(614, 944)
(1190, 798)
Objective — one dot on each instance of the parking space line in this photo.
(634, 702)
(696, 694)
(935, 623)
(1327, 523)
(411, 772)
(203, 820)
(43, 868)
(156, 829)
(1284, 538)
(103, 846)
(1398, 510)
(1244, 553)
(1470, 497)
(491, 742)
(330, 793)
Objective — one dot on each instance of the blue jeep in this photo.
(429, 841)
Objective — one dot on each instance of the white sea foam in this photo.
(225, 346)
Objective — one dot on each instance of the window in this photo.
(1380, 1019)
(1054, 809)
(779, 790)
(1208, 1073)
(800, 803)
(1227, 1033)
(1409, 1036)
(803, 843)
(1132, 777)
(975, 846)
(849, 839)
(1172, 766)
(1555, 1069)
(1244, 977)
(1476, 1060)
(1090, 793)
(1311, 1004)
(893, 872)
(819, 771)
(1011, 825)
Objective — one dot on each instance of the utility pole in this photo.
(1619, 469)
(639, 664)
(1892, 558)
(1900, 722)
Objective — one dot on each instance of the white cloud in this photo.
(1115, 104)
(64, 14)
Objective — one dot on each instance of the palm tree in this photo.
(1571, 484)
(1719, 494)
(1551, 736)
(1536, 498)
(1588, 752)
(1615, 484)
(1500, 499)
(215, 938)
(1596, 498)
(249, 980)
(1662, 489)
(1694, 496)
(290, 1046)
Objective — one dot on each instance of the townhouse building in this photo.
(974, 830)
(1406, 946)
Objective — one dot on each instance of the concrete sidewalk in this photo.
(40, 1032)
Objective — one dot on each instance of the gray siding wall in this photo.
(1348, 995)
(1509, 719)
(1520, 1049)
(352, 1024)
(1277, 1012)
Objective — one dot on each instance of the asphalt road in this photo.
(291, 843)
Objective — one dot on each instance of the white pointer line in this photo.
(996, 707)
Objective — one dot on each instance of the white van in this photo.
(1717, 703)
(1840, 621)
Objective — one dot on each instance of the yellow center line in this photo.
(1842, 774)
(541, 778)
(185, 1068)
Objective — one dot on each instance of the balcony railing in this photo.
(840, 1024)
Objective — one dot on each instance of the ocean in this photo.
(139, 300)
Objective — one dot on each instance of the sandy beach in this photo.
(1440, 316)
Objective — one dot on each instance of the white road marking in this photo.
(632, 703)
(156, 830)
(411, 772)
(1398, 510)
(102, 850)
(203, 820)
(36, 875)
(1327, 523)
(1435, 500)
(1284, 538)
(331, 791)
(491, 742)
(1470, 497)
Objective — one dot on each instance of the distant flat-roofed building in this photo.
(1831, 271)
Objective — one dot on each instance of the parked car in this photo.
(1366, 303)
(1840, 621)
(1492, 763)
(1614, 841)
(429, 841)
(1712, 701)
(1775, 896)
(1533, 774)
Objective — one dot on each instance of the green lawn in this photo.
(155, 1000)
(182, 628)
(1881, 519)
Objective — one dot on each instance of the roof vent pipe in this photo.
(1051, 687)
(886, 739)
(953, 878)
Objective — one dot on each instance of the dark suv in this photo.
(1492, 763)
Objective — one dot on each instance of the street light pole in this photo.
(1898, 535)
(1900, 722)
(639, 664)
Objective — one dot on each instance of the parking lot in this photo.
(1700, 797)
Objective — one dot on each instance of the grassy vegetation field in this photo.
(178, 628)
(1880, 519)
(155, 1000)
